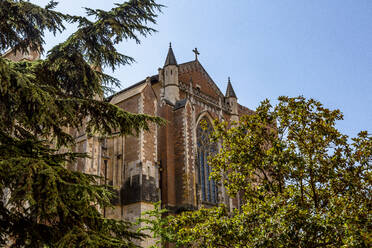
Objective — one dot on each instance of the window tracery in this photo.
(205, 148)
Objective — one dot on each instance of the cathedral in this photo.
(167, 163)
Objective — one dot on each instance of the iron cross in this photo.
(196, 53)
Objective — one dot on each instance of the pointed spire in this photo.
(230, 91)
(171, 59)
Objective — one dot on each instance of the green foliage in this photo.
(45, 204)
(23, 24)
(301, 183)
(156, 223)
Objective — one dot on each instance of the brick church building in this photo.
(167, 163)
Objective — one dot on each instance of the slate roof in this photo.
(153, 79)
(180, 104)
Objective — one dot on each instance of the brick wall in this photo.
(131, 142)
(150, 108)
(199, 78)
(179, 153)
(166, 152)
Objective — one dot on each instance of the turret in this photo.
(231, 99)
(170, 77)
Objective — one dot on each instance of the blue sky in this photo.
(320, 49)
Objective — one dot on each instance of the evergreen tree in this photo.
(43, 203)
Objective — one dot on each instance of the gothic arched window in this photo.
(205, 149)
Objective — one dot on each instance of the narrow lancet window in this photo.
(205, 148)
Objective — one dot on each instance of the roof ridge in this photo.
(131, 86)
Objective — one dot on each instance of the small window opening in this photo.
(198, 89)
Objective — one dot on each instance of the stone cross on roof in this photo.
(196, 53)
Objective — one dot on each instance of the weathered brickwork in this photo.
(189, 155)
(195, 73)
(131, 142)
(167, 157)
(150, 108)
(179, 153)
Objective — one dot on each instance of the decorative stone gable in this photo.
(201, 80)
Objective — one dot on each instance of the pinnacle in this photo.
(230, 91)
(171, 59)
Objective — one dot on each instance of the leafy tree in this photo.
(156, 223)
(44, 203)
(301, 182)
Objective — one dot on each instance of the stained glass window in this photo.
(205, 148)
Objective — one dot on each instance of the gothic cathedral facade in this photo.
(167, 163)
